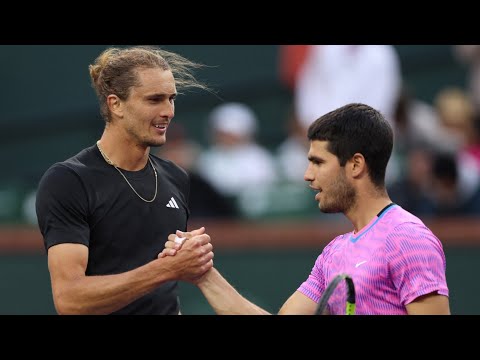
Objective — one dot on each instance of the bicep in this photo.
(429, 304)
(298, 304)
(66, 262)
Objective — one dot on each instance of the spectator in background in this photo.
(334, 75)
(290, 154)
(417, 122)
(448, 198)
(412, 190)
(204, 200)
(417, 127)
(470, 55)
(235, 161)
(456, 114)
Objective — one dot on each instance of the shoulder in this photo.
(172, 173)
(407, 230)
(337, 242)
(397, 217)
(70, 170)
(168, 166)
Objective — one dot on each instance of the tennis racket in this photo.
(350, 304)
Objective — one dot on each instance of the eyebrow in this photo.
(158, 95)
(314, 158)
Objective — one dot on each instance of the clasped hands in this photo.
(192, 253)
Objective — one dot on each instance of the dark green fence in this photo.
(266, 277)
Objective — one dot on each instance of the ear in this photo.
(357, 165)
(115, 105)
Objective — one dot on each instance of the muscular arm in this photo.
(76, 293)
(430, 304)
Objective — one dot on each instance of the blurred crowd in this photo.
(435, 165)
(434, 169)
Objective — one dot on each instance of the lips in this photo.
(317, 192)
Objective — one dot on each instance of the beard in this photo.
(153, 143)
(341, 196)
(146, 140)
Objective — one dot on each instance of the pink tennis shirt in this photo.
(392, 261)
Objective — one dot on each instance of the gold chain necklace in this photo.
(105, 157)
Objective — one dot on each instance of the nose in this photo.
(168, 110)
(307, 176)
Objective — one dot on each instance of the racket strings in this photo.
(350, 303)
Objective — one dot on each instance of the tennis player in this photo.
(397, 264)
(106, 212)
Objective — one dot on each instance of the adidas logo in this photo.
(172, 204)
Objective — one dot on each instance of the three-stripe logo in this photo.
(172, 204)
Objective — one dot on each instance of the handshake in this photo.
(188, 254)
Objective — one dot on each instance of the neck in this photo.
(366, 208)
(123, 151)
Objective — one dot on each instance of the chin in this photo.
(329, 209)
(154, 143)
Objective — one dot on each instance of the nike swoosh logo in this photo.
(360, 263)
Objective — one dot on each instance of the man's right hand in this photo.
(195, 257)
(174, 244)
